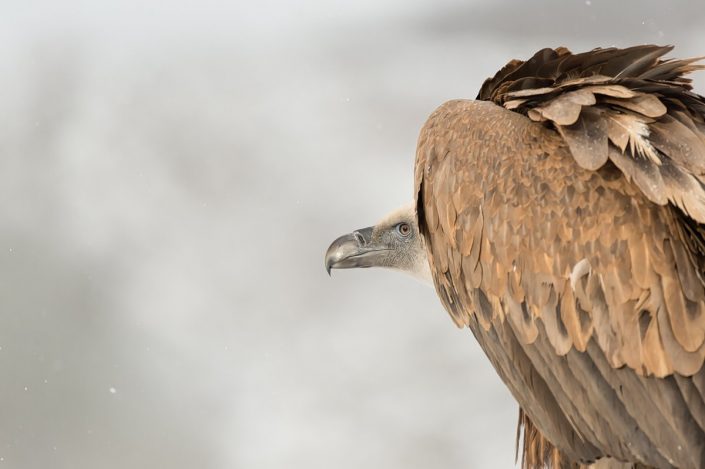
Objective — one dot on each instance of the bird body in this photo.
(562, 217)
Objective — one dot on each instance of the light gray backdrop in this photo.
(171, 174)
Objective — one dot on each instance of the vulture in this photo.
(561, 218)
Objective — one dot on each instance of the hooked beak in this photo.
(354, 250)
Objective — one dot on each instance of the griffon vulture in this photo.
(561, 218)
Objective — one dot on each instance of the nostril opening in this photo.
(359, 238)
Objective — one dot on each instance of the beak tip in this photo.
(328, 263)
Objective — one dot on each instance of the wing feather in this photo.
(573, 247)
(567, 258)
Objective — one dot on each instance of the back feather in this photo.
(627, 106)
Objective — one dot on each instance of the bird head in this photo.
(393, 243)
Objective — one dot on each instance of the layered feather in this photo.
(629, 99)
(564, 227)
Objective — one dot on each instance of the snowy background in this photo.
(171, 174)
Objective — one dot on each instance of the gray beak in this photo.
(353, 250)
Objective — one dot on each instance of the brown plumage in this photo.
(561, 217)
(563, 214)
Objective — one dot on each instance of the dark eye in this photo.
(404, 229)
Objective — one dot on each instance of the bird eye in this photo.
(404, 229)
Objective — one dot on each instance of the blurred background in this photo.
(171, 174)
